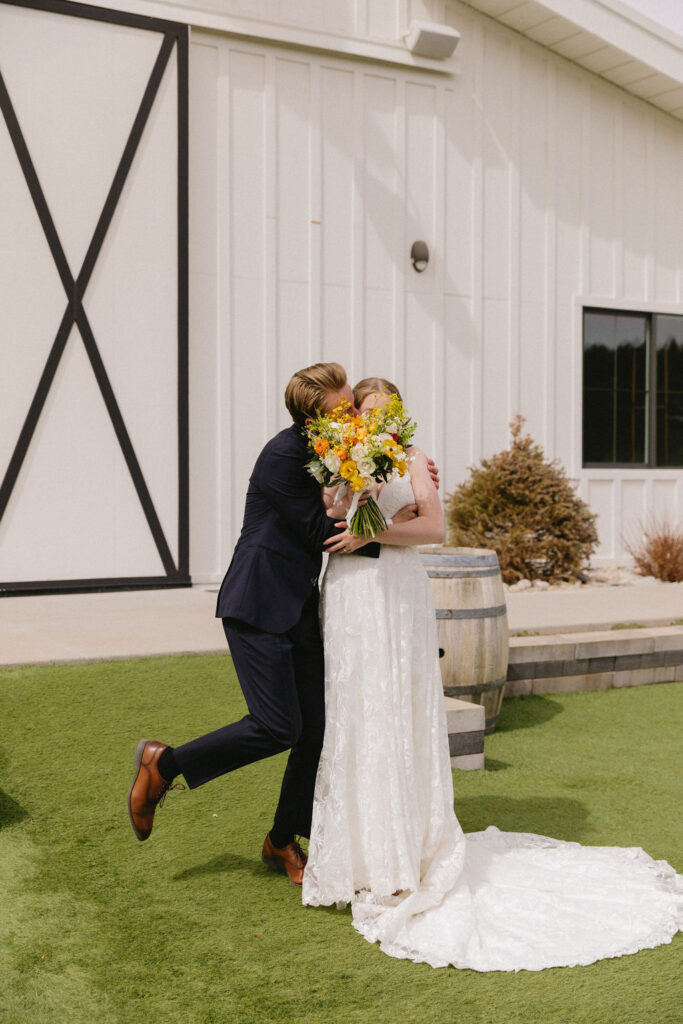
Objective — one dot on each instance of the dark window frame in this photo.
(651, 425)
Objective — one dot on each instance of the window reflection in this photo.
(615, 388)
(669, 337)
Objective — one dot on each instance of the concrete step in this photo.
(465, 723)
(601, 660)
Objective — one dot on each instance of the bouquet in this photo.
(359, 451)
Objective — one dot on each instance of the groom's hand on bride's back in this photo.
(433, 472)
(405, 514)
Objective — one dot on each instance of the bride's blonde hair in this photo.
(373, 386)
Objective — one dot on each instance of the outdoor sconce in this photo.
(419, 255)
(428, 39)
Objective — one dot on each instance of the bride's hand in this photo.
(346, 543)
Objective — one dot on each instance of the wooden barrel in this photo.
(472, 624)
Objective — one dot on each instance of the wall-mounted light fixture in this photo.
(419, 255)
(429, 39)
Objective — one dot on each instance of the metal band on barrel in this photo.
(471, 560)
(471, 613)
(454, 691)
(454, 574)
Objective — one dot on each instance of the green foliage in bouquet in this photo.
(525, 508)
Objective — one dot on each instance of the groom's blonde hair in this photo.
(306, 393)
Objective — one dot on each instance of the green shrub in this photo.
(526, 509)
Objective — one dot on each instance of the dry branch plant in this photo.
(526, 509)
(658, 550)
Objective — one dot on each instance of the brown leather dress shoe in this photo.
(290, 860)
(148, 789)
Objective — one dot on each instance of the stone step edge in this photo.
(593, 627)
(577, 645)
(571, 662)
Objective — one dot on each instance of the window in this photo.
(632, 389)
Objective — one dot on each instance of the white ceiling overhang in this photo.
(605, 37)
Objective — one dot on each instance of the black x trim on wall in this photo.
(173, 35)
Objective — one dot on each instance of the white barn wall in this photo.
(538, 187)
(360, 19)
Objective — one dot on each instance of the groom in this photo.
(268, 602)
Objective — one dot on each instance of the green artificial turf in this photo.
(190, 928)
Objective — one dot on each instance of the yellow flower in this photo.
(357, 483)
(348, 470)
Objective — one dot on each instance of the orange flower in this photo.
(341, 452)
(322, 446)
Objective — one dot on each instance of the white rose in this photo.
(333, 462)
(317, 471)
(359, 452)
(366, 467)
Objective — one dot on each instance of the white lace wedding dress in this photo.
(385, 837)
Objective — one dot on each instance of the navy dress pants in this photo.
(282, 676)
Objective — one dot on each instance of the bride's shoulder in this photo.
(415, 456)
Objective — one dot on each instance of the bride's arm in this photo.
(427, 527)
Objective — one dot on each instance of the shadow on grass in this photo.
(226, 863)
(10, 811)
(559, 817)
(526, 712)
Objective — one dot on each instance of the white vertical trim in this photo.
(550, 303)
(586, 187)
(358, 218)
(402, 17)
(650, 258)
(439, 236)
(398, 368)
(476, 384)
(315, 216)
(361, 18)
(225, 369)
(618, 243)
(270, 147)
(515, 237)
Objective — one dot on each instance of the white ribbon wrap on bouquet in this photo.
(353, 506)
(341, 494)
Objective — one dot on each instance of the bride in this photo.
(385, 838)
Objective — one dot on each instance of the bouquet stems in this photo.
(367, 520)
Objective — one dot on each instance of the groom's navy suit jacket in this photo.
(278, 556)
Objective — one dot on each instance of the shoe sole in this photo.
(137, 761)
(274, 865)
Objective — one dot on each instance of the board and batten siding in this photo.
(539, 189)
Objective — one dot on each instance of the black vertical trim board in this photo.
(174, 35)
